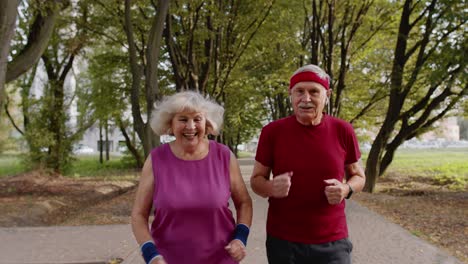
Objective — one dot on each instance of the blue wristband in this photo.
(149, 251)
(241, 233)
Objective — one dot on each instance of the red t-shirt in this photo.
(313, 154)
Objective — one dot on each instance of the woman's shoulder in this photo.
(218, 146)
(159, 149)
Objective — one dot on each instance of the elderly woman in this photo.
(189, 182)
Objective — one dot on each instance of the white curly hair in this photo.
(166, 109)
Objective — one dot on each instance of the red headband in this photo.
(308, 76)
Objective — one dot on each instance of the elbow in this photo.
(258, 185)
(138, 217)
(254, 185)
(134, 218)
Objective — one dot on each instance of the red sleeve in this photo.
(265, 148)
(353, 153)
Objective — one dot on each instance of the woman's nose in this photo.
(190, 124)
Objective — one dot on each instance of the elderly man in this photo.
(315, 162)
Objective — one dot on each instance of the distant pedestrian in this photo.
(309, 154)
(189, 182)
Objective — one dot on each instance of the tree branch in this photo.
(39, 35)
(12, 121)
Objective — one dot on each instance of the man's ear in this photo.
(329, 92)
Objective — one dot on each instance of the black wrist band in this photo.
(351, 191)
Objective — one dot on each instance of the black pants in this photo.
(284, 252)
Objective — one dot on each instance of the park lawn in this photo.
(11, 164)
(432, 161)
(445, 164)
(442, 163)
(116, 167)
(83, 167)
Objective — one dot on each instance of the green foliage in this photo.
(255, 90)
(42, 139)
(7, 143)
(242, 112)
(272, 57)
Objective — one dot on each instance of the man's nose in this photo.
(307, 97)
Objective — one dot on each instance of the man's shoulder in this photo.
(339, 122)
(279, 123)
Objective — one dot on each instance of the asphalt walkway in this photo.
(376, 241)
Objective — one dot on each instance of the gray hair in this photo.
(186, 101)
(315, 69)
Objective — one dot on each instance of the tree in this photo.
(144, 63)
(334, 33)
(427, 78)
(206, 41)
(108, 78)
(45, 15)
(49, 134)
(7, 28)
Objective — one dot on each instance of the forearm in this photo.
(245, 212)
(261, 186)
(356, 182)
(140, 228)
(355, 176)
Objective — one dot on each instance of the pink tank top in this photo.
(192, 222)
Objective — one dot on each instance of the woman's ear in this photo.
(208, 129)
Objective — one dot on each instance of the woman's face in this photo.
(189, 127)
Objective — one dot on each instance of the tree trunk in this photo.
(8, 15)
(130, 145)
(107, 139)
(144, 131)
(101, 144)
(39, 34)
(57, 126)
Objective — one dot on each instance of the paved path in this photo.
(376, 241)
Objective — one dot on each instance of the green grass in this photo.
(431, 162)
(245, 154)
(83, 166)
(447, 166)
(11, 165)
(89, 166)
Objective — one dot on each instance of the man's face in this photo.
(308, 100)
